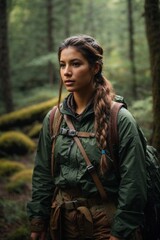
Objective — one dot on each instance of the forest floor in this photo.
(11, 206)
(14, 224)
(13, 213)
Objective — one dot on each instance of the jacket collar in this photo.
(68, 107)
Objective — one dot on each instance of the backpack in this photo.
(151, 225)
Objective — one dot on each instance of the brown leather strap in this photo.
(85, 134)
(90, 167)
(113, 121)
(72, 133)
(51, 119)
(113, 132)
(55, 121)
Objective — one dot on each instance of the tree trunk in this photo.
(6, 91)
(152, 19)
(131, 49)
(89, 23)
(67, 18)
(50, 43)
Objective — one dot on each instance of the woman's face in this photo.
(76, 73)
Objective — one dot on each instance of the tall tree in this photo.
(67, 17)
(4, 58)
(131, 48)
(89, 25)
(152, 19)
(50, 5)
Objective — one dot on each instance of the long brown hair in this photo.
(104, 94)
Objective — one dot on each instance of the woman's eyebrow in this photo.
(71, 60)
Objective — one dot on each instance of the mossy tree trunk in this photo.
(152, 18)
(6, 90)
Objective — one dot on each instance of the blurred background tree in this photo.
(5, 80)
(152, 17)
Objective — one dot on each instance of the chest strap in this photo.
(73, 133)
(90, 167)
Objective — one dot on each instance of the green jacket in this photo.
(70, 169)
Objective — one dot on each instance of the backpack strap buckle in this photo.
(72, 133)
(68, 132)
(64, 131)
(90, 168)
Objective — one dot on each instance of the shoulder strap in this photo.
(113, 140)
(55, 122)
(90, 167)
(51, 119)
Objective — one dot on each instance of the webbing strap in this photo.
(90, 167)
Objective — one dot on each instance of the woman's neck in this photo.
(82, 101)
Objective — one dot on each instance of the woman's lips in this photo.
(69, 82)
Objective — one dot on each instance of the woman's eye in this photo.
(61, 65)
(76, 64)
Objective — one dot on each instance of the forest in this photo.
(30, 34)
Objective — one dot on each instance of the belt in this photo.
(71, 205)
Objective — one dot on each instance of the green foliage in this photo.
(20, 181)
(13, 219)
(36, 95)
(13, 212)
(142, 111)
(17, 143)
(20, 233)
(27, 36)
(28, 30)
(43, 60)
(8, 167)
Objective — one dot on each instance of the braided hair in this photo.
(104, 94)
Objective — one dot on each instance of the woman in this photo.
(88, 106)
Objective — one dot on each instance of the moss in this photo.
(8, 168)
(34, 130)
(14, 142)
(20, 181)
(27, 115)
(24, 175)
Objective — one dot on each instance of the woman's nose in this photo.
(67, 71)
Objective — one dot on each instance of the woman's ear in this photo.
(96, 68)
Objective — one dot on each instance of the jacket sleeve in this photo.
(42, 182)
(133, 184)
